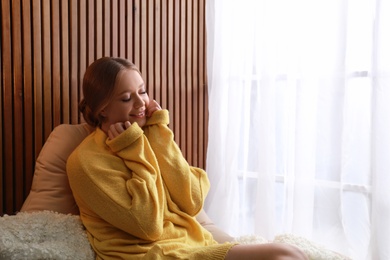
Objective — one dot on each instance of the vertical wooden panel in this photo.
(143, 62)
(17, 103)
(64, 49)
(46, 47)
(122, 28)
(2, 172)
(201, 31)
(176, 70)
(114, 28)
(169, 74)
(149, 49)
(183, 82)
(91, 30)
(29, 157)
(189, 97)
(37, 75)
(107, 28)
(194, 90)
(8, 134)
(130, 30)
(56, 59)
(156, 45)
(73, 65)
(137, 34)
(99, 29)
(47, 68)
(82, 46)
(161, 52)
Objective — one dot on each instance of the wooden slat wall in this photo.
(46, 46)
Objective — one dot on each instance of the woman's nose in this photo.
(139, 102)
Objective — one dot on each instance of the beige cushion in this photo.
(50, 187)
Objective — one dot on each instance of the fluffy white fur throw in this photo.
(312, 250)
(50, 235)
(43, 235)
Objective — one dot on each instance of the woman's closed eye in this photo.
(127, 98)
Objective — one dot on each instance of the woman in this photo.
(137, 195)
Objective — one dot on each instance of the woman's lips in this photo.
(139, 115)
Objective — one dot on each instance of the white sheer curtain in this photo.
(299, 121)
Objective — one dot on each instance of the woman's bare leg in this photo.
(269, 251)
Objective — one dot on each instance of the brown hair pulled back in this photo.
(99, 85)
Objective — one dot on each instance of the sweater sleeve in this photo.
(124, 186)
(187, 185)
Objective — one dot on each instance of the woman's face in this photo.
(129, 101)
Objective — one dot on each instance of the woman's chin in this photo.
(140, 121)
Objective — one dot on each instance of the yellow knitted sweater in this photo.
(138, 197)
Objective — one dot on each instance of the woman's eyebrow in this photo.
(126, 91)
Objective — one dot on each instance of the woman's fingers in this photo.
(117, 128)
(153, 106)
(127, 124)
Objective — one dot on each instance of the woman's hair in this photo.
(98, 87)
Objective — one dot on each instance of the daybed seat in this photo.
(49, 227)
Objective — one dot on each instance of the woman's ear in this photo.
(103, 113)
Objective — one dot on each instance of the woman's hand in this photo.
(117, 128)
(152, 107)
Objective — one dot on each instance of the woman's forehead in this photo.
(128, 79)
